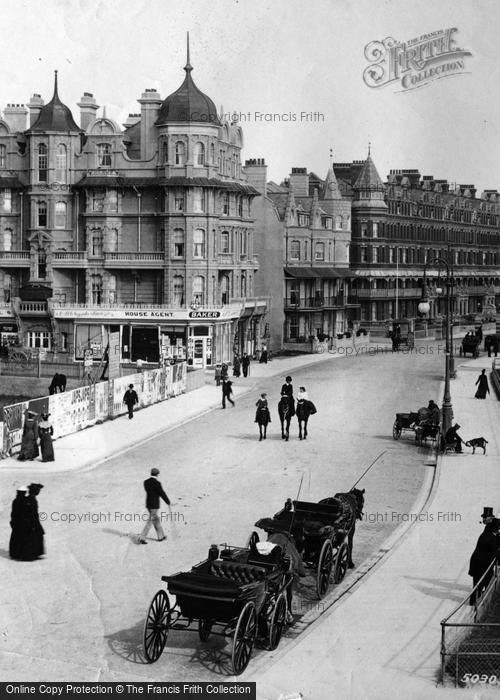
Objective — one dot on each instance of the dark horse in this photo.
(263, 417)
(304, 409)
(351, 509)
(58, 384)
(286, 409)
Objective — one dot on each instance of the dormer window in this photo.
(42, 163)
(103, 155)
(180, 153)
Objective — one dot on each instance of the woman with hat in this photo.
(29, 446)
(35, 545)
(45, 433)
(20, 524)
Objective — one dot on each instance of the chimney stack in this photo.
(150, 107)
(256, 171)
(35, 105)
(88, 110)
(15, 116)
(299, 182)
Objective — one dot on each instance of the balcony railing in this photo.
(32, 307)
(416, 292)
(314, 302)
(15, 258)
(71, 258)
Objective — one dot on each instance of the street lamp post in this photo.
(424, 307)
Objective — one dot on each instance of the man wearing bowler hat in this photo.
(130, 398)
(154, 491)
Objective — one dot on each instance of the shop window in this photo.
(6, 201)
(103, 155)
(178, 291)
(42, 163)
(42, 214)
(224, 242)
(319, 251)
(3, 156)
(89, 337)
(61, 163)
(39, 339)
(60, 215)
(180, 153)
(199, 243)
(295, 250)
(199, 154)
(198, 290)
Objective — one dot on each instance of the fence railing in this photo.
(470, 645)
(495, 376)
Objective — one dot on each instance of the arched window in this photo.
(96, 287)
(42, 163)
(41, 214)
(199, 243)
(61, 163)
(3, 156)
(199, 153)
(178, 243)
(224, 290)
(319, 251)
(60, 215)
(295, 250)
(178, 291)
(212, 154)
(198, 286)
(7, 239)
(103, 155)
(180, 153)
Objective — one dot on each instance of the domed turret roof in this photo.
(188, 103)
(55, 116)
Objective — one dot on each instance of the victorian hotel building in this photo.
(145, 230)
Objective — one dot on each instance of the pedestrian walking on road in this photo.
(224, 371)
(236, 366)
(263, 356)
(227, 390)
(29, 445)
(487, 549)
(154, 491)
(245, 364)
(483, 387)
(130, 398)
(45, 433)
(19, 522)
(36, 546)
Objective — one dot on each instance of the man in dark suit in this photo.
(154, 491)
(130, 398)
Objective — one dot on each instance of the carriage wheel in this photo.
(244, 638)
(325, 564)
(341, 563)
(156, 627)
(396, 430)
(204, 629)
(19, 358)
(253, 539)
(277, 623)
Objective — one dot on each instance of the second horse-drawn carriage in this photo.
(421, 423)
(470, 344)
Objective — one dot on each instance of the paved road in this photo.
(78, 614)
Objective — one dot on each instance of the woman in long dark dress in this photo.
(487, 549)
(483, 387)
(45, 432)
(29, 445)
(35, 541)
(19, 545)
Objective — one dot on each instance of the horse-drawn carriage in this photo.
(420, 422)
(402, 334)
(237, 592)
(470, 344)
(321, 533)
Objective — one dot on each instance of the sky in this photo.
(278, 57)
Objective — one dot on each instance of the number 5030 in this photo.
(474, 678)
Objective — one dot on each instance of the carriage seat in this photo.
(238, 573)
(267, 561)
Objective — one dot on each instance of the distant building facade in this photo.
(147, 230)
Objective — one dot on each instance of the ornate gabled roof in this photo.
(55, 116)
(368, 178)
(188, 103)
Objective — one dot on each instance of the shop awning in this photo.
(318, 272)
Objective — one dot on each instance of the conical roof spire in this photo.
(188, 67)
(55, 116)
(331, 186)
(368, 178)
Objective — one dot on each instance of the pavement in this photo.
(382, 640)
(94, 445)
